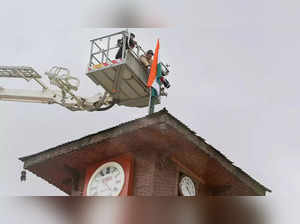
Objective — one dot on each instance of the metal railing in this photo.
(102, 48)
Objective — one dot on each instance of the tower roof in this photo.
(161, 132)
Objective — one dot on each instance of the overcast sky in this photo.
(234, 80)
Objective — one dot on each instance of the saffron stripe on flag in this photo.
(153, 69)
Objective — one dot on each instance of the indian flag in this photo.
(155, 72)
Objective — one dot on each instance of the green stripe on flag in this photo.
(158, 74)
(153, 92)
(157, 83)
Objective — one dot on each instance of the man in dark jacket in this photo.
(128, 45)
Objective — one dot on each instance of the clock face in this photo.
(187, 186)
(107, 180)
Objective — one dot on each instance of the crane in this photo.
(123, 79)
(64, 96)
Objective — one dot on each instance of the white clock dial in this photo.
(187, 186)
(107, 180)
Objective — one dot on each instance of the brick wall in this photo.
(165, 178)
(154, 176)
(144, 168)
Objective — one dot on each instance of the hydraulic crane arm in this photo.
(30, 96)
(64, 96)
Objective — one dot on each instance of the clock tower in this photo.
(156, 155)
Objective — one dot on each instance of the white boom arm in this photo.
(30, 96)
(59, 77)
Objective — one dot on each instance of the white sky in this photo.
(234, 77)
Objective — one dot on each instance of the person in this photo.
(130, 44)
(165, 82)
(146, 59)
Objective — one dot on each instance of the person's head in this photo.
(149, 54)
(132, 36)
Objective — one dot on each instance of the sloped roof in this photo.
(33, 162)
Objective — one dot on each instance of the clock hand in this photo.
(188, 190)
(106, 185)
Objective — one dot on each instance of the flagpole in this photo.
(151, 109)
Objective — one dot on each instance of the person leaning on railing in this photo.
(128, 45)
(146, 59)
